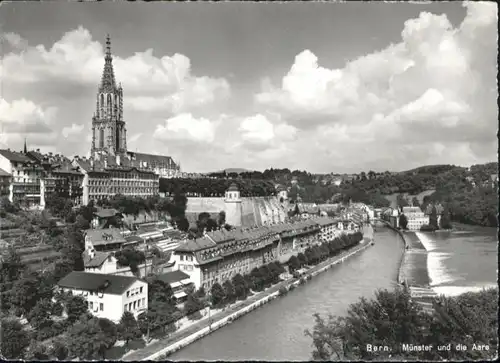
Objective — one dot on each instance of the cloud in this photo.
(258, 132)
(152, 83)
(185, 127)
(24, 120)
(25, 117)
(438, 82)
(155, 86)
(73, 130)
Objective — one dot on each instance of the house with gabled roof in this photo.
(108, 296)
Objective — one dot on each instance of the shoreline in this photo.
(244, 307)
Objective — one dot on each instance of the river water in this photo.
(276, 330)
(455, 262)
(461, 261)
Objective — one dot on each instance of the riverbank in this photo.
(178, 340)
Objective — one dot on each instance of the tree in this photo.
(296, 211)
(182, 224)
(39, 317)
(14, 339)
(200, 293)
(392, 319)
(415, 202)
(87, 340)
(192, 305)
(76, 306)
(240, 287)
(433, 218)
(24, 294)
(302, 259)
(293, 263)
(217, 294)
(229, 292)
(403, 221)
(389, 319)
(128, 329)
(445, 219)
(222, 219)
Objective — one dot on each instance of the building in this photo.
(416, 218)
(108, 296)
(111, 168)
(26, 186)
(219, 256)
(104, 240)
(4, 183)
(105, 176)
(179, 282)
(328, 228)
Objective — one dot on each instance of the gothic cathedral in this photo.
(109, 135)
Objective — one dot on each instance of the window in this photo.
(128, 293)
(101, 306)
(125, 307)
(140, 290)
(182, 257)
(91, 305)
(143, 301)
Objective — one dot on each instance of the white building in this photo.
(108, 296)
(328, 231)
(416, 218)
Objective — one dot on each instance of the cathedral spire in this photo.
(25, 147)
(108, 75)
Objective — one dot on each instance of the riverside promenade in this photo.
(162, 348)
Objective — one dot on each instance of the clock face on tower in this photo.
(108, 128)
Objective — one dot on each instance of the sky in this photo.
(322, 87)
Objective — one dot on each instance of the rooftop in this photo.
(97, 261)
(173, 276)
(15, 156)
(109, 284)
(4, 173)
(104, 236)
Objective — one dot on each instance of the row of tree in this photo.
(215, 187)
(394, 320)
(315, 254)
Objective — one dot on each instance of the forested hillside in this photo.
(469, 193)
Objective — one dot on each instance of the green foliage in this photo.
(76, 306)
(241, 288)
(433, 218)
(445, 219)
(293, 263)
(130, 257)
(222, 219)
(403, 221)
(229, 292)
(208, 187)
(88, 340)
(13, 339)
(217, 295)
(39, 316)
(59, 206)
(128, 329)
(393, 319)
(192, 304)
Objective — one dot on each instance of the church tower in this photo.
(109, 135)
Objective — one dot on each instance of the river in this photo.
(461, 261)
(276, 330)
(454, 262)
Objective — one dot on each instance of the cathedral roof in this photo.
(151, 159)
